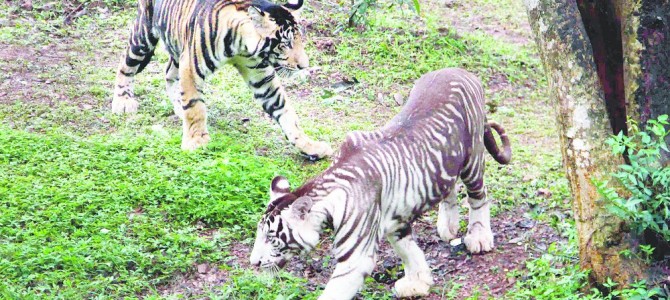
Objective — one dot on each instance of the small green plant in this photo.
(637, 290)
(646, 202)
(554, 275)
(648, 251)
(326, 261)
(359, 11)
(451, 289)
(245, 284)
(627, 253)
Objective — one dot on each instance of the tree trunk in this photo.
(591, 106)
(646, 42)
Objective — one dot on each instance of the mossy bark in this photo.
(584, 125)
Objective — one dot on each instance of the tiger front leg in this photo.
(194, 119)
(269, 92)
(348, 278)
(479, 237)
(138, 54)
(124, 98)
(314, 150)
(418, 278)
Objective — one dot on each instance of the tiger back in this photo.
(381, 181)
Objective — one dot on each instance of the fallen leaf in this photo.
(526, 223)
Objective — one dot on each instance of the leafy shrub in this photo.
(637, 290)
(645, 180)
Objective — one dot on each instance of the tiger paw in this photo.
(123, 103)
(410, 287)
(316, 150)
(447, 230)
(194, 140)
(479, 239)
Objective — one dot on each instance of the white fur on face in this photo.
(260, 247)
(265, 254)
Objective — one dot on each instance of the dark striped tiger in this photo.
(381, 181)
(256, 37)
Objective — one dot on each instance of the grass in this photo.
(96, 205)
(113, 215)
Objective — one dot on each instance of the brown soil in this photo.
(28, 64)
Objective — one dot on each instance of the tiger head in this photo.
(285, 228)
(279, 24)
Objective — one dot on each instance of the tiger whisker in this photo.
(274, 271)
(287, 72)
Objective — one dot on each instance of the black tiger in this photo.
(256, 37)
(383, 180)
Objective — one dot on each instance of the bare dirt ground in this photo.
(29, 64)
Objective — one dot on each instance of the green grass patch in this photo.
(397, 49)
(114, 215)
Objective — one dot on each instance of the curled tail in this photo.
(504, 156)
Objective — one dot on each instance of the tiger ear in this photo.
(301, 207)
(279, 187)
(295, 7)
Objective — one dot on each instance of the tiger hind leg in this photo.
(418, 278)
(479, 237)
(140, 49)
(172, 87)
(448, 217)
